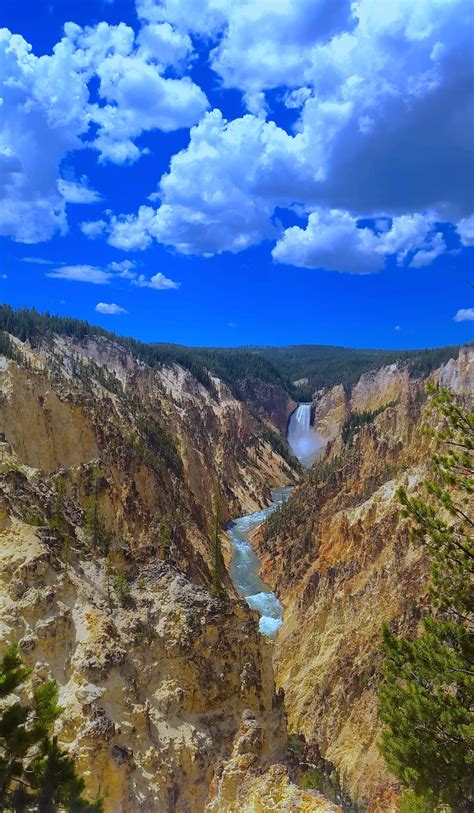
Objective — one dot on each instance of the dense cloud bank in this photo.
(377, 155)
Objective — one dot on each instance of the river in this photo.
(245, 566)
(305, 444)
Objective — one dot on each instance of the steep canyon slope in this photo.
(108, 473)
(340, 559)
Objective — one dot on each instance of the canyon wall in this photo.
(156, 675)
(168, 690)
(339, 558)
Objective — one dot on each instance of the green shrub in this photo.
(35, 519)
(122, 589)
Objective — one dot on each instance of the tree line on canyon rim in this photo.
(315, 366)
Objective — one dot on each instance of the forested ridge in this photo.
(326, 365)
(317, 366)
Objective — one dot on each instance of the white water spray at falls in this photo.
(304, 442)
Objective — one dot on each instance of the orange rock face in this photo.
(339, 557)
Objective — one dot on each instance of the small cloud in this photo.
(124, 269)
(159, 282)
(74, 192)
(81, 273)
(110, 308)
(465, 230)
(295, 99)
(124, 265)
(3, 276)
(232, 324)
(37, 261)
(397, 327)
(464, 315)
(114, 271)
(93, 228)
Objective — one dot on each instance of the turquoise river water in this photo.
(244, 569)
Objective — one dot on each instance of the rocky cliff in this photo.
(108, 470)
(159, 441)
(339, 557)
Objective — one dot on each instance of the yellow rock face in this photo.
(79, 406)
(153, 692)
(153, 688)
(341, 562)
(241, 786)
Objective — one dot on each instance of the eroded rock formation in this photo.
(339, 558)
(169, 691)
(156, 675)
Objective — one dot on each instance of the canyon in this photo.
(173, 699)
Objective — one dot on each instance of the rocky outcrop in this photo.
(240, 784)
(339, 557)
(329, 411)
(153, 687)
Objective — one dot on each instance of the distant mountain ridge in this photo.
(313, 367)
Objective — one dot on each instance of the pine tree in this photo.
(168, 528)
(96, 533)
(426, 700)
(58, 520)
(217, 566)
(108, 575)
(35, 774)
(122, 589)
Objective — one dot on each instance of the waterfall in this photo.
(303, 416)
(302, 437)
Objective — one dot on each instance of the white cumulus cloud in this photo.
(42, 117)
(371, 80)
(334, 240)
(124, 269)
(48, 111)
(110, 308)
(220, 192)
(158, 281)
(76, 192)
(159, 41)
(464, 315)
(260, 44)
(93, 228)
(365, 82)
(465, 230)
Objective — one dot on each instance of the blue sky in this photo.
(245, 172)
